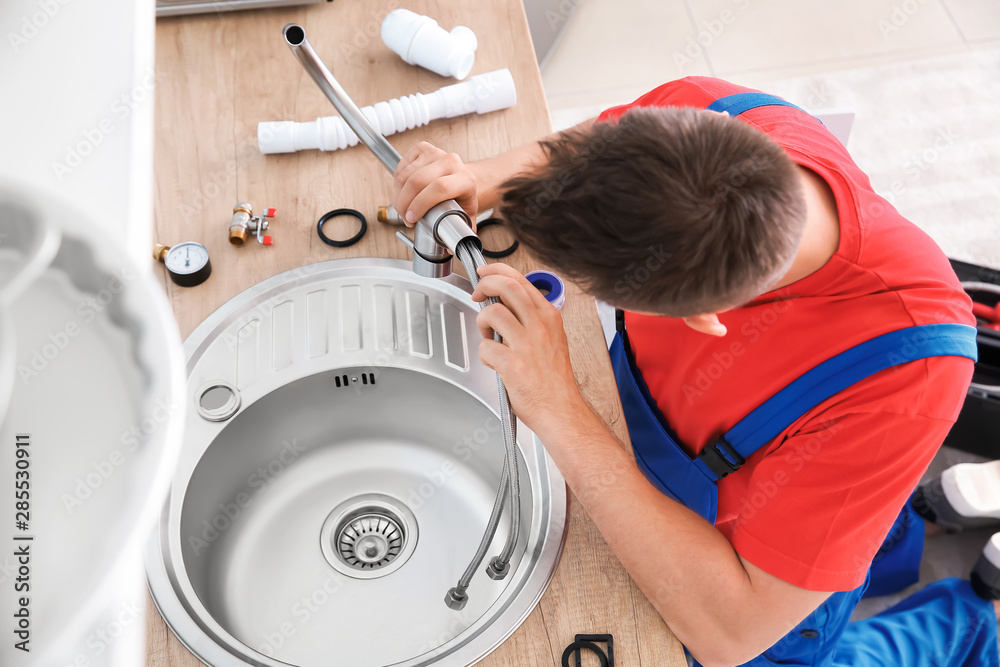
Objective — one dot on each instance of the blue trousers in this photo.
(944, 624)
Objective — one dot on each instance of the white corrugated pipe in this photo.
(482, 93)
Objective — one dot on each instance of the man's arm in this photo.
(427, 176)
(721, 607)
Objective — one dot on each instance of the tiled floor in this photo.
(614, 50)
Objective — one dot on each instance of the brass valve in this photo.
(389, 214)
(244, 222)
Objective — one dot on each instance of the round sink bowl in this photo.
(341, 459)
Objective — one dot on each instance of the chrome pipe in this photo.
(446, 224)
(295, 37)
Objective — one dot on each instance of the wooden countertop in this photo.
(217, 75)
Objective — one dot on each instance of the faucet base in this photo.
(428, 269)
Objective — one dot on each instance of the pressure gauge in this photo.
(187, 263)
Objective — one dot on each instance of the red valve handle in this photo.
(270, 213)
(268, 240)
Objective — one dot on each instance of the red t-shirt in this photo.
(813, 506)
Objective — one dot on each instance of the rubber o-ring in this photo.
(496, 254)
(590, 646)
(333, 214)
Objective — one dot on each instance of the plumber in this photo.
(752, 516)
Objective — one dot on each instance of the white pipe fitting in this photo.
(419, 40)
(482, 93)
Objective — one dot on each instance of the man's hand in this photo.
(533, 359)
(427, 176)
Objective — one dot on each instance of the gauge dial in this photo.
(188, 264)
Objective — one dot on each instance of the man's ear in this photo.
(706, 324)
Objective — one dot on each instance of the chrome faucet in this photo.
(444, 231)
(439, 232)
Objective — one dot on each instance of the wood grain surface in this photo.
(217, 76)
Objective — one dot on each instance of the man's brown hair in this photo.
(678, 211)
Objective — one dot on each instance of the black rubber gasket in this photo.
(575, 648)
(496, 254)
(333, 214)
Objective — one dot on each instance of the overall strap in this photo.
(736, 104)
(728, 452)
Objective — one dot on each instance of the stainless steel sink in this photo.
(340, 463)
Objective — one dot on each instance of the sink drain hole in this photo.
(370, 541)
(369, 536)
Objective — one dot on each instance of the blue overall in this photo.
(941, 625)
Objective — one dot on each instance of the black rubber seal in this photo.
(496, 254)
(576, 646)
(333, 214)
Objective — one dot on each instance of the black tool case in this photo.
(978, 427)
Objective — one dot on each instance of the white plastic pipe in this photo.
(419, 40)
(482, 93)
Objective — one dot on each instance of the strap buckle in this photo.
(721, 457)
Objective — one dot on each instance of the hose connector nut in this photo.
(497, 570)
(456, 599)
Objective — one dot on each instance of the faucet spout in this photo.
(440, 231)
(295, 37)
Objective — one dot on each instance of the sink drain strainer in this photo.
(370, 541)
(369, 536)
